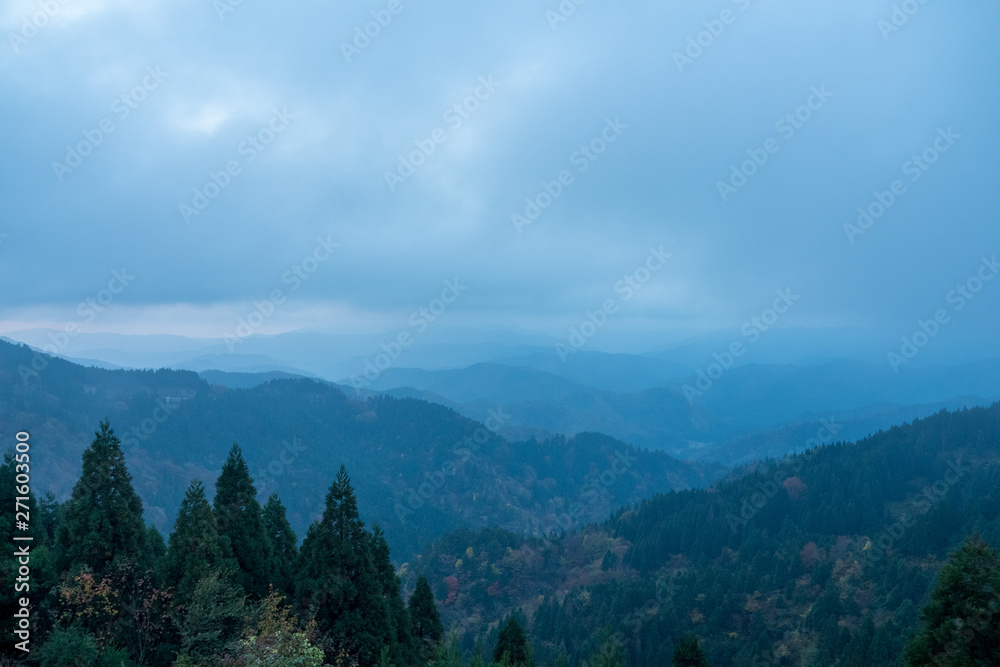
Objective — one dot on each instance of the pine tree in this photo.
(688, 653)
(194, 550)
(512, 645)
(447, 653)
(211, 620)
(156, 548)
(859, 650)
(284, 551)
(400, 634)
(609, 655)
(240, 523)
(103, 518)
(961, 624)
(424, 617)
(337, 581)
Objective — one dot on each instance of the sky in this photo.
(525, 163)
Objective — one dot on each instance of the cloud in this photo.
(326, 173)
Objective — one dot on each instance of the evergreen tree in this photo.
(103, 518)
(424, 617)
(512, 646)
(156, 548)
(859, 650)
(240, 523)
(961, 624)
(447, 653)
(337, 581)
(400, 632)
(194, 550)
(688, 653)
(609, 655)
(211, 621)
(284, 551)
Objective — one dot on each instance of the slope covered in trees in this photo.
(824, 558)
(418, 469)
(215, 595)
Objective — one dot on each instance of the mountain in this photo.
(620, 373)
(235, 380)
(823, 558)
(420, 469)
(715, 420)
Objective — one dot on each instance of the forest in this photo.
(870, 553)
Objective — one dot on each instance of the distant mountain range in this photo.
(787, 401)
(769, 402)
(418, 468)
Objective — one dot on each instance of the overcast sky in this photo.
(186, 85)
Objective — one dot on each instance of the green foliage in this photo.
(823, 569)
(512, 645)
(114, 657)
(338, 581)
(276, 640)
(284, 551)
(68, 646)
(195, 550)
(961, 624)
(212, 620)
(424, 617)
(688, 653)
(241, 526)
(103, 519)
(403, 646)
(446, 653)
(609, 655)
(40, 555)
(821, 576)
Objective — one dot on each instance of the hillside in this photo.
(419, 469)
(823, 558)
(722, 421)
